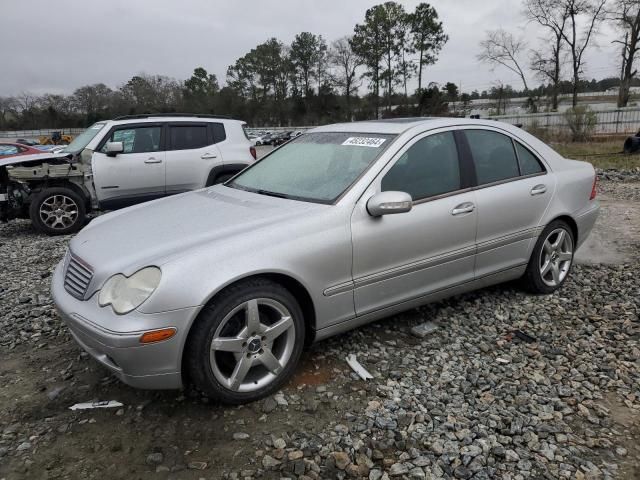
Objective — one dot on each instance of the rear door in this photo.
(512, 194)
(135, 175)
(191, 155)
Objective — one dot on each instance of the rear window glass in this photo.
(529, 164)
(187, 137)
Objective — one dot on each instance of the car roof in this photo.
(400, 125)
(166, 118)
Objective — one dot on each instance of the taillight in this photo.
(252, 150)
(594, 190)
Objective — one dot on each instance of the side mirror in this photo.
(114, 148)
(386, 203)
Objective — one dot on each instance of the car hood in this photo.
(7, 160)
(156, 232)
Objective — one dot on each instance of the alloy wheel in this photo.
(252, 345)
(556, 257)
(58, 212)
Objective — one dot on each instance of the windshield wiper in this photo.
(272, 194)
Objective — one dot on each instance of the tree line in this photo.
(312, 81)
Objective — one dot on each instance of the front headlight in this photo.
(125, 294)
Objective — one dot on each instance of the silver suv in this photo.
(129, 160)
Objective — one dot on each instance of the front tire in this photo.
(57, 211)
(551, 260)
(246, 344)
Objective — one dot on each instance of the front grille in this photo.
(77, 277)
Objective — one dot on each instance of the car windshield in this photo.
(316, 167)
(82, 140)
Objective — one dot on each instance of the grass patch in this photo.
(600, 154)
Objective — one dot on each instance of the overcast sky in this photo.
(55, 47)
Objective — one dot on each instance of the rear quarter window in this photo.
(529, 164)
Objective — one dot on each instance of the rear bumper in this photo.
(585, 220)
(150, 366)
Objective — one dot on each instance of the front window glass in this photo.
(137, 140)
(315, 167)
(81, 141)
(430, 167)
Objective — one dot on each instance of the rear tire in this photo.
(551, 259)
(57, 211)
(245, 344)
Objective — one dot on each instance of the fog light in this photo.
(158, 335)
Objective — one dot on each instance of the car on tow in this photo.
(346, 224)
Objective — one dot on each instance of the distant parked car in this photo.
(27, 142)
(266, 139)
(344, 225)
(16, 150)
(282, 138)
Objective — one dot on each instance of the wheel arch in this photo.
(225, 169)
(572, 224)
(293, 285)
(39, 186)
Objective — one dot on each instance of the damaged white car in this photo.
(121, 162)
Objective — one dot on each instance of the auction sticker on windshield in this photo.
(364, 141)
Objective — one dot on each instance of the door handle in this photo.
(153, 160)
(206, 156)
(466, 207)
(538, 189)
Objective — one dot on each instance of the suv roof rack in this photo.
(153, 115)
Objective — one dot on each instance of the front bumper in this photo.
(114, 340)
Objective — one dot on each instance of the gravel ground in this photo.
(474, 399)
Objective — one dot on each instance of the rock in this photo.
(23, 446)
(197, 465)
(279, 443)
(398, 469)
(341, 459)
(155, 458)
(269, 405)
(269, 462)
(511, 456)
(424, 329)
(240, 436)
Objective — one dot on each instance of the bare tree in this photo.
(585, 12)
(8, 107)
(345, 64)
(502, 48)
(626, 15)
(547, 62)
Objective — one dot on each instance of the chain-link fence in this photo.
(35, 134)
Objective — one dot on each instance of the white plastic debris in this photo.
(424, 329)
(356, 367)
(90, 405)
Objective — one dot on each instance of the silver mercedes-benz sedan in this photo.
(348, 223)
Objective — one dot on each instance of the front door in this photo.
(400, 257)
(135, 175)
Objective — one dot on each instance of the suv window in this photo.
(219, 135)
(529, 164)
(493, 155)
(137, 139)
(188, 137)
(430, 167)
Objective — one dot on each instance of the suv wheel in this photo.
(57, 211)
(246, 344)
(551, 259)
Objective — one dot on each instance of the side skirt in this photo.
(492, 279)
